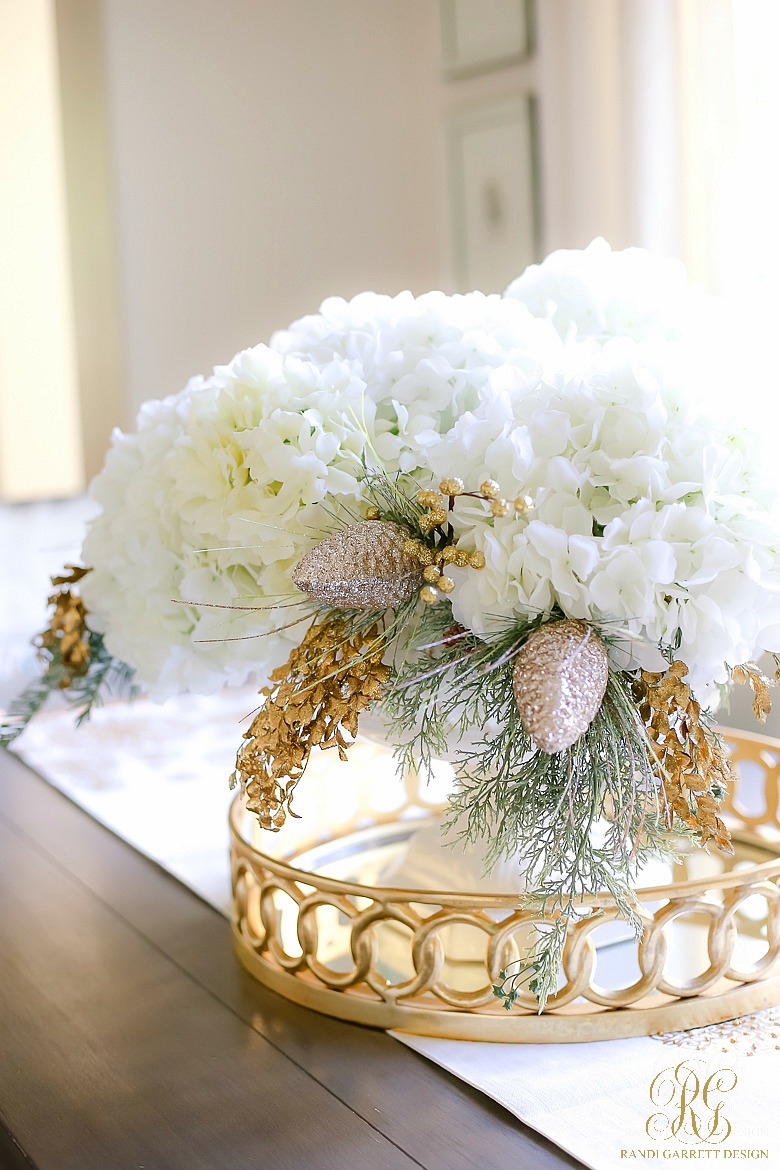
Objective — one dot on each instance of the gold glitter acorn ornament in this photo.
(365, 566)
(559, 681)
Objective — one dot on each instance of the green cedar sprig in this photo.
(578, 822)
(104, 675)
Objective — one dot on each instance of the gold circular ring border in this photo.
(427, 1010)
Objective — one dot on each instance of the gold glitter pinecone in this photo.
(559, 680)
(362, 567)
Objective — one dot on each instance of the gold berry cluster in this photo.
(490, 491)
(438, 505)
(435, 561)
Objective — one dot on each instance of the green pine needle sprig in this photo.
(105, 675)
(578, 822)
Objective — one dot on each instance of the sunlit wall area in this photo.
(88, 157)
(179, 179)
(40, 421)
(750, 226)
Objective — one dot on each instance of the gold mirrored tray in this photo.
(313, 921)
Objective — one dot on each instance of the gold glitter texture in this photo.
(690, 762)
(436, 516)
(314, 700)
(752, 674)
(365, 566)
(434, 560)
(559, 680)
(67, 630)
(745, 1036)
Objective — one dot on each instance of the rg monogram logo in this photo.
(690, 1108)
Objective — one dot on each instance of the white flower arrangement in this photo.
(649, 514)
(553, 471)
(247, 457)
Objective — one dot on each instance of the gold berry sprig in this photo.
(452, 488)
(435, 560)
(439, 504)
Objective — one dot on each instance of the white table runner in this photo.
(712, 1095)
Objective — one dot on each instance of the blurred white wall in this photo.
(40, 449)
(229, 163)
(265, 154)
(609, 98)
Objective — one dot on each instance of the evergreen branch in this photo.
(104, 675)
(579, 822)
(26, 706)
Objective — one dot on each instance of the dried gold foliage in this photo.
(314, 700)
(691, 761)
(751, 672)
(67, 629)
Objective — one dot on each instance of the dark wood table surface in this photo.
(130, 1037)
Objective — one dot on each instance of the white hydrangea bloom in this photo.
(214, 499)
(598, 293)
(424, 361)
(220, 491)
(649, 515)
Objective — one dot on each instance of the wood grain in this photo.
(12, 1156)
(113, 1055)
(120, 966)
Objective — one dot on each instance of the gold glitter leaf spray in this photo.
(314, 700)
(67, 630)
(752, 674)
(559, 680)
(693, 765)
(365, 566)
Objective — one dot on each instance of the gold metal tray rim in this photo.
(602, 1013)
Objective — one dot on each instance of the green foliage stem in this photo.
(104, 675)
(578, 822)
